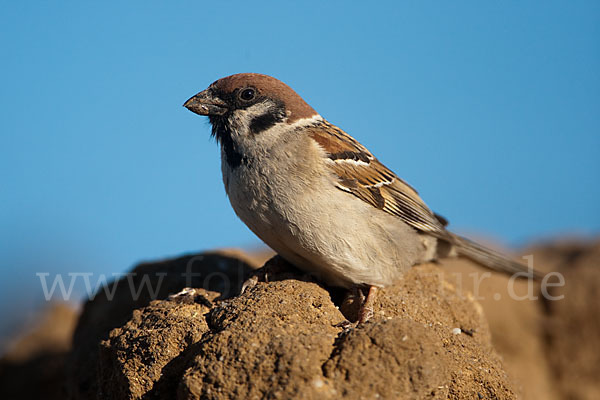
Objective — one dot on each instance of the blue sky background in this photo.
(490, 109)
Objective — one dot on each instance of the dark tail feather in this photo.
(490, 258)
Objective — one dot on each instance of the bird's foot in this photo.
(358, 305)
(365, 312)
(275, 269)
(183, 295)
(249, 283)
(190, 295)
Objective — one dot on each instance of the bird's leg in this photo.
(365, 312)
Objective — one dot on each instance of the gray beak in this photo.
(205, 104)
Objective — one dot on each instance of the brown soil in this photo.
(34, 368)
(429, 337)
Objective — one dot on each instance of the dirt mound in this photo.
(222, 272)
(285, 337)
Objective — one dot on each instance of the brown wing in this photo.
(362, 175)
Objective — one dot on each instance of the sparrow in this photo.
(318, 197)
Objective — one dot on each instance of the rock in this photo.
(269, 342)
(517, 326)
(158, 334)
(422, 311)
(222, 272)
(390, 359)
(284, 339)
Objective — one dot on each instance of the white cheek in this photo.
(262, 144)
(240, 119)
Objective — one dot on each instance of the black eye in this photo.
(247, 94)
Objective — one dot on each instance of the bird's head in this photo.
(248, 104)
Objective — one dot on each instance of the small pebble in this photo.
(456, 331)
(317, 383)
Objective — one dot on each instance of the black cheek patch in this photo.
(263, 122)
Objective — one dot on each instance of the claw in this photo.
(346, 325)
(249, 283)
(186, 295)
(185, 292)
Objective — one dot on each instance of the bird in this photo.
(318, 197)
